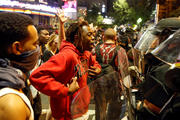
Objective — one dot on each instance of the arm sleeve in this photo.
(44, 78)
(93, 61)
(122, 62)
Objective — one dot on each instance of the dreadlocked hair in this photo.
(75, 29)
(71, 32)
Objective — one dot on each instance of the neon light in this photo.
(27, 12)
(46, 14)
(35, 12)
(42, 7)
(7, 9)
(19, 10)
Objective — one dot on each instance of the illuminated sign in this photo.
(27, 11)
(18, 4)
(70, 6)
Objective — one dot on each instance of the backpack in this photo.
(105, 68)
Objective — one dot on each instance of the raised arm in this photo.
(62, 20)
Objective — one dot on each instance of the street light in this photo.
(139, 20)
(103, 8)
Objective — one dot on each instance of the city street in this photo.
(45, 106)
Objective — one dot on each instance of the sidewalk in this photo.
(45, 106)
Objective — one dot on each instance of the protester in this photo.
(43, 35)
(18, 55)
(52, 47)
(64, 73)
(108, 90)
(43, 40)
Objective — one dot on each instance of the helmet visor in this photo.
(145, 42)
(169, 50)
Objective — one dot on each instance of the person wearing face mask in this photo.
(74, 60)
(35, 97)
(19, 52)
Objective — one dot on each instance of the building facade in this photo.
(39, 10)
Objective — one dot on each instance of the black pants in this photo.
(37, 107)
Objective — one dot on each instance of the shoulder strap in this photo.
(98, 54)
(115, 54)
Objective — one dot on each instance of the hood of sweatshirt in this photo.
(10, 76)
(68, 45)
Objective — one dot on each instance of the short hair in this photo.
(13, 27)
(75, 29)
(40, 28)
(110, 33)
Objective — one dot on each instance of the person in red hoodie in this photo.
(64, 73)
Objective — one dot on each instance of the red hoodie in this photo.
(52, 77)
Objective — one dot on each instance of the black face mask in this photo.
(26, 61)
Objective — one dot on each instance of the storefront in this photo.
(41, 14)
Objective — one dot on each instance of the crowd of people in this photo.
(82, 63)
